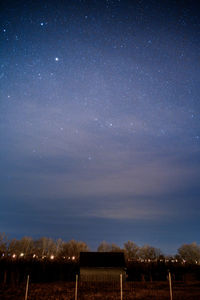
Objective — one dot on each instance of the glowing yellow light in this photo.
(52, 257)
(14, 255)
(21, 254)
(73, 257)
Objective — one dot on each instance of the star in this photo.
(56, 59)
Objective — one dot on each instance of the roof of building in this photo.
(102, 259)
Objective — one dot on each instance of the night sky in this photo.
(100, 121)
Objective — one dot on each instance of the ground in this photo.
(131, 291)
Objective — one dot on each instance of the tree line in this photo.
(48, 248)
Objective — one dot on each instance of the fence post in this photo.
(170, 286)
(27, 283)
(5, 277)
(76, 288)
(121, 288)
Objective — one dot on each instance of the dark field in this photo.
(131, 290)
(56, 280)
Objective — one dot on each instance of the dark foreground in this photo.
(105, 291)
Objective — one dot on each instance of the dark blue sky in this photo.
(100, 121)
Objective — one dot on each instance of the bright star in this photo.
(56, 59)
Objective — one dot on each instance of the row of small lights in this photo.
(43, 257)
(153, 260)
(164, 260)
(160, 260)
(73, 258)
